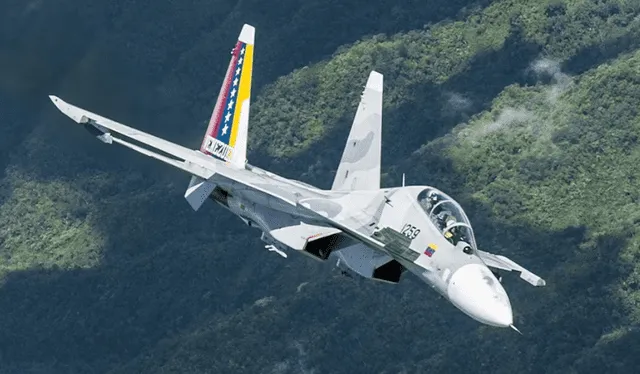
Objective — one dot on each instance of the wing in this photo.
(359, 167)
(502, 262)
(183, 158)
(208, 169)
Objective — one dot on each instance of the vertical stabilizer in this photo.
(226, 136)
(359, 167)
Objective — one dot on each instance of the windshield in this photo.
(447, 215)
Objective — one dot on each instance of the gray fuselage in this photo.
(449, 265)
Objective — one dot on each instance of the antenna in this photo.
(402, 179)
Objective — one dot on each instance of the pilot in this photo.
(443, 218)
(457, 235)
(433, 197)
(452, 233)
(428, 202)
(448, 235)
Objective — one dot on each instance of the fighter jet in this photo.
(378, 233)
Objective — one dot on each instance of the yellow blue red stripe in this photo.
(222, 132)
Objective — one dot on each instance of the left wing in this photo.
(192, 161)
(502, 262)
(183, 158)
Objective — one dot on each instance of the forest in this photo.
(528, 113)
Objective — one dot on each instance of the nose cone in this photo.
(476, 291)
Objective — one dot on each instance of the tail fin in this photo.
(359, 167)
(226, 136)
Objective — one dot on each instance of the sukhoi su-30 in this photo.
(378, 233)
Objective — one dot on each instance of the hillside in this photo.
(527, 113)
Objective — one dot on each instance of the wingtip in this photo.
(248, 34)
(68, 110)
(375, 81)
(56, 101)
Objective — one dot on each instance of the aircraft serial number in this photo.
(410, 231)
(218, 148)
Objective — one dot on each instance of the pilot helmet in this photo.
(432, 196)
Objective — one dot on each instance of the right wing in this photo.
(504, 263)
(359, 167)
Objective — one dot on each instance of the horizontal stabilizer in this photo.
(198, 192)
(502, 262)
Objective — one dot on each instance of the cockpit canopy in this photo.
(448, 216)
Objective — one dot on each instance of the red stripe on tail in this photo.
(216, 116)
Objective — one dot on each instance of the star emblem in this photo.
(225, 129)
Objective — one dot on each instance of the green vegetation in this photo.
(527, 112)
(47, 225)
